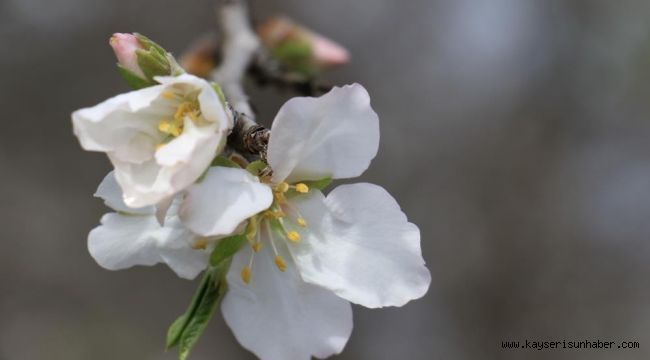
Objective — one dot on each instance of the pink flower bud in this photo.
(125, 46)
(328, 53)
(325, 53)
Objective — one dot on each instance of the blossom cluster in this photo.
(179, 194)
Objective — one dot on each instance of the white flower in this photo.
(160, 139)
(131, 237)
(289, 292)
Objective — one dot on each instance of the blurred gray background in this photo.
(514, 133)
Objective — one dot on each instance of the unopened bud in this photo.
(125, 46)
(299, 48)
(140, 59)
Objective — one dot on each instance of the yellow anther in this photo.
(302, 188)
(282, 187)
(279, 262)
(168, 95)
(257, 246)
(293, 236)
(246, 274)
(168, 127)
(279, 197)
(275, 214)
(200, 244)
(186, 109)
(302, 222)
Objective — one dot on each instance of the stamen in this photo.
(257, 246)
(279, 262)
(247, 271)
(302, 188)
(200, 244)
(293, 236)
(246, 274)
(302, 222)
(282, 187)
(167, 127)
(274, 214)
(168, 95)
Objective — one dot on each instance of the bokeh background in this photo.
(514, 133)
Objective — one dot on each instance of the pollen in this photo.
(302, 188)
(167, 127)
(246, 274)
(257, 246)
(168, 95)
(275, 214)
(302, 222)
(200, 244)
(293, 236)
(279, 262)
(186, 109)
(282, 187)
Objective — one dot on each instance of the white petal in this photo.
(222, 200)
(335, 135)
(124, 124)
(109, 190)
(176, 250)
(279, 317)
(360, 245)
(124, 241)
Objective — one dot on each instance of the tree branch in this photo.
(240, 43)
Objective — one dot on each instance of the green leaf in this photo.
(178, 326)
(256, 167)
(318, 184)
(132, 79)
(226, 248)
(225, 162)
(215, 290)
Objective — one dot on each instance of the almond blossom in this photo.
(160, 139)
(311, 255)
(133, 236)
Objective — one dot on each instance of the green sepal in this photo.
(318, 184)
(153, 63)
(226, 248)
(134, 81)
(297, 55)
(256, 167)
(225, 162)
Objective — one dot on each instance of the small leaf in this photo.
(256, 167)
(178, 326)
(214, 292)
(226, 248)
(225, 162)
(132, 79)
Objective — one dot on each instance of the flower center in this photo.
(280, 222)
(188, 108)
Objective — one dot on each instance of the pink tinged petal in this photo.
(329, 53)
(278, 316)
(222, 200)
(360, 245)
(109, 191)
(335, 135)
(125, 46)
